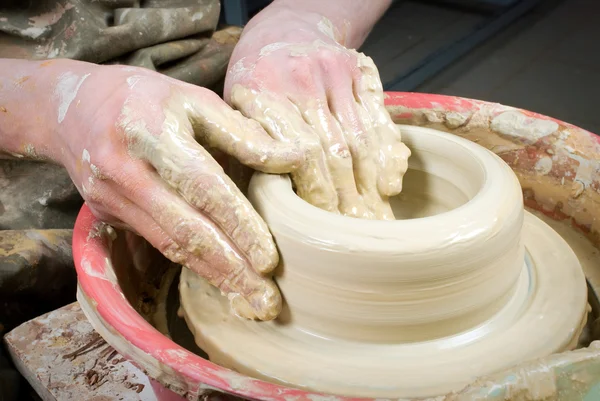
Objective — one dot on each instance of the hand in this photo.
(130, 141)
(289, 72)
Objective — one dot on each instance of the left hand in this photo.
(290, 73)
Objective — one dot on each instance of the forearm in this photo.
(35, 97)
(353, 20)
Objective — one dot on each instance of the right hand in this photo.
(132, 141)
(290, 73)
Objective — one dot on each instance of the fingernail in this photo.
(264, 304)
(268, 302)
(265, 258)
(241, 308)
(390, 187)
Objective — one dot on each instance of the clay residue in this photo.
(516, 124)
(570, 376)
(558, 164)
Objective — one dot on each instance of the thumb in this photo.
(219, 126)
(263, 303)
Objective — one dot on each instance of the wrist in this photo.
(35, 98)
(279, 22)
(348, 21)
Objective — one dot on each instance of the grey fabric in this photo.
(173, 37)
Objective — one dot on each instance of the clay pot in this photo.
(413, 279)
(408, 308)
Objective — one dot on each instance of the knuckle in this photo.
(99, 161)
(363, 139)
(311, 147)
(236, 277)
(97, 210)
(197, 190)
(329, 60)
(193, 239)
(171, 250)
(105, 216)
(304, 77)
(366, 63)
(207, 94)
(212, 194)
(180, 228)
(232, 223)
(340, 150)
(91, 193)
(326, 54)
(127, 177)
(359, 134)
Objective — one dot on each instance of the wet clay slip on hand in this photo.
(463, 284)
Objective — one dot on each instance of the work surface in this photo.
(63, 358)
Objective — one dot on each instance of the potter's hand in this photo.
(289, 73)
(130, 141)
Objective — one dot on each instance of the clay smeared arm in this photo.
(292, 71)
(34, 99)
(133, 142)
(353, 20)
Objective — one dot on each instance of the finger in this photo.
(339, 160)
(362, 142)
(394, 154)
(109, 219)
(192, 172)
(103, 201)
(110, 206)
(251, 295)
(168, 227)
(217, 125)
(283, 121)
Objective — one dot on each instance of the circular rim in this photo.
(345, 228)
(110, 305)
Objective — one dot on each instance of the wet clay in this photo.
(465, 286)
(587, 253)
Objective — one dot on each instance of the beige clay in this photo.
(467, 284)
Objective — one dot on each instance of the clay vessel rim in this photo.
(276, 190)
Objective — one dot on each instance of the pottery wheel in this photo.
(435, 318)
